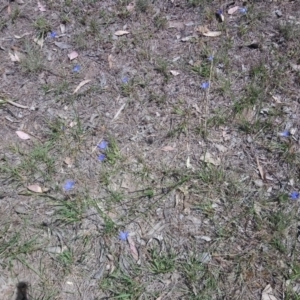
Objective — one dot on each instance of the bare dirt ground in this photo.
(149, 149)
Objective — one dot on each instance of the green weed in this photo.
(42, 26)
(161, 263)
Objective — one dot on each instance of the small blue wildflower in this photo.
(123, 235)
(285, 133)
(53, 34)
(205, 85)
(243, 10)
(101, 157)
(76, 68)
(294, 195)
(220, 12)
(125, 79)
(103, 145)
(69, 184)
(210, 58)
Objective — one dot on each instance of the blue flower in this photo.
(53, 34)
(220, 12)
(205, 85)
(76, 68)
(294, 195)
(210, 58)
(125, 79)
(243, 10)
(123, 235)
(285, 133)
(103, 145)
(69, 184)
(101, 157)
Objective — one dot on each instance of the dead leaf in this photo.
(212, 33)
(131, 6)
(295, 67)
(257, 208)
(226, 135)
(206, 32)
(260, 169)
(221, 148)
(205, 238)
(121, 32)
(220, 16)
(22, 35)
(73, 55)
(62, 28)
(35, 188)
(133, 249)
(14, 57)
(8, 9)
(188, 163)
(276, 98)
(16, 104)
(267, 293)
(39, 41)
(62, 45)
(176, 24)
(293, 131)
(81, 84)
(202, 29)
(41, 7)
(57, 249)
(167, 148)
(233, 10)
(68, 161)
(194, 105)
(20, 1)
(22, 135)
(174, 73)
(110, 61)
(72, 124)
(118, 112)
(208, 158)
(187, 38)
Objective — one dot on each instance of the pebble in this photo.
(278, 13)
(258, 183)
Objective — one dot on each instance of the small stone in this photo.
(205, 258)
(205, 238)
(259, 183)
(278, 13)
(21, 210)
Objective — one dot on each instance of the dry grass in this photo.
(200, 179)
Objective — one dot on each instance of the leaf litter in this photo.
(133, 248)
(62, 45)
(73, 55)
(233, 10)
(231, 139)
(35, 188)
(41, 7)
(121, 32)
(80, 85)
(23, 135)
(206, 32)
(267, 293)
